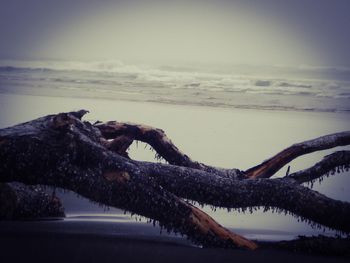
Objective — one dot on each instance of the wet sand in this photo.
(91, 248)
(55, 241)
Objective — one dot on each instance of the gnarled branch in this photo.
(269, 167)
(330, 163)
(245, 193)
(121, 134)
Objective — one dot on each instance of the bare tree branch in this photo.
(269, 167)
(330, 163)
(124, 132)
(246, 193)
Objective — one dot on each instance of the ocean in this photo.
(302, 88)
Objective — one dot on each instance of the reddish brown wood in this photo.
(269, 167)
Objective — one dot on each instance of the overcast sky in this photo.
(291, 32)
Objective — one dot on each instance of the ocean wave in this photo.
(118, 78)
(263, 83)
(22, 69)
(119, 66)
(324, 68)
(157, 79)
(114, 66)
(294, 85)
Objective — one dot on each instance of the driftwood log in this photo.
(19, 201)
(63, 151)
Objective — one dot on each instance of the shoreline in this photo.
(147, 245)
(183, 103)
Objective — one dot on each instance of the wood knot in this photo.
(119, 176)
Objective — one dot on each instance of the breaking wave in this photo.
(231, 87)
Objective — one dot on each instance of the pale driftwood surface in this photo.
(91, 160)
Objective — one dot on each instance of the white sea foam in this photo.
(229, 87)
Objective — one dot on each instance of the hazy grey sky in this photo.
(291, 32)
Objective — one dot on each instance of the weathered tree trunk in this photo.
(18, 201)
(91, 160)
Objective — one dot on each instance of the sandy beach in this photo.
(92, 248)
(216, 136)
(78, 241)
